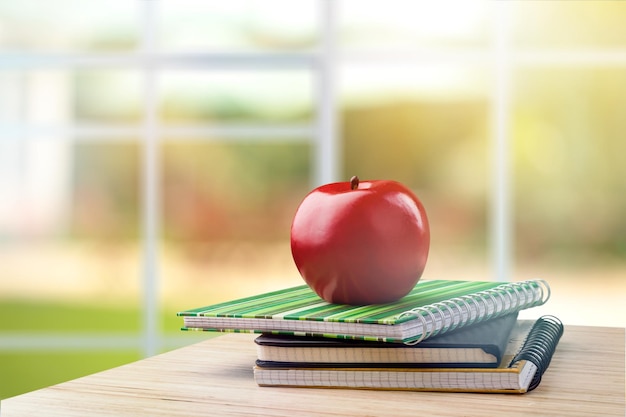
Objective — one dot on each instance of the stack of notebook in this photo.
(443, 336)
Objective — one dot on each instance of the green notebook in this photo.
(432, 307)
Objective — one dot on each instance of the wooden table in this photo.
(214, 377)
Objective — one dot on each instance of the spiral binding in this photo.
(539, 346)
(483, 305)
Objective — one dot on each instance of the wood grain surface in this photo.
(214, 377)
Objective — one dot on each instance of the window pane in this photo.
(570, 173)
(107, 95)
(427, 128)
(106, 191)
(570, 179)
(68, 223)
(210, 25)
(570, 23)
(240, 96)
(227, 212)
(37, 97)
(68, 25)
(405, 23)
(59, 98)
(10, 97)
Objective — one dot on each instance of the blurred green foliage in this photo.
(63, 316)
(218, 190)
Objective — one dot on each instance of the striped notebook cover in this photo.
(432, 307)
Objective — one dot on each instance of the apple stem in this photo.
(354, 183)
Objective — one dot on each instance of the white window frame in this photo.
(323, 134)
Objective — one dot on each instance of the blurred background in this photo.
(153, 153)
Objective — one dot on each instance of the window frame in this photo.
(500, 56)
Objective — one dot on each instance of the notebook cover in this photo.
(430, 308)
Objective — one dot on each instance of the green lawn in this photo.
(23, 371)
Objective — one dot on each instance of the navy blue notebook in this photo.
(479, 346)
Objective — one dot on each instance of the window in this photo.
(152, 154)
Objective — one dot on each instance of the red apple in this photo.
(360, 242)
